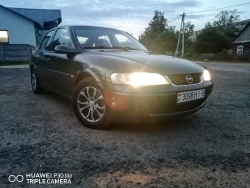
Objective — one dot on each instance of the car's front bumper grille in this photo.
(155, 106)
(173, 107)
(160, 104)
(180, 79)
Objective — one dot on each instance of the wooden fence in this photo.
(15, 52)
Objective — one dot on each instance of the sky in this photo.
(133, 16)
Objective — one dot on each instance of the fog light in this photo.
(114, 101)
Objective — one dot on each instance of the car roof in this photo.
(68, 26)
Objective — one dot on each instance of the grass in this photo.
(217, 61)
(9, 63)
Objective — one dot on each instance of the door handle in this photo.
(48, 59)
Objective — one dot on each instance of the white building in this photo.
(241, 43)
(194, 35)
(241, 24)
(26, 26)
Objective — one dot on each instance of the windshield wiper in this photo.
(124, 48)
(113, 47)
(97, 47)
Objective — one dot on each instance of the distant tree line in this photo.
(159, 37)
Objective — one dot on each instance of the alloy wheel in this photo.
(33, 80)
(91, 104)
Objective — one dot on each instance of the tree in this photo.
(217, 36)
(189, 29)
(171, 28)
(225, 20)
(165, 42)
(161, 38)
(208, 25)
(211, 40)
(155, 27)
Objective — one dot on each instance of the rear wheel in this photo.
(35, 83)
(89, 104)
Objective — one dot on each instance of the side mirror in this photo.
(62, 49)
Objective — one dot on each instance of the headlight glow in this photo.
(138, 79)
(206, 76)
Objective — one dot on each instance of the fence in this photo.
(15, 52)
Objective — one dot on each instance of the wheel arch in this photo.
(85, 74)
(31, 65)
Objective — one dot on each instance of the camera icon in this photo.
(17, 178)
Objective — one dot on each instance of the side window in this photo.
(240, 50)
(61, 38)
(45, 45)
(4, 37)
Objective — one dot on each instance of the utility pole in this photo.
(183, 33)
(177, 47)
(181, 28)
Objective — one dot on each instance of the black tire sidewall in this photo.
(38, 90)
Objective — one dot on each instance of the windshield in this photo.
(99, 38)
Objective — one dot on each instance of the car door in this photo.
(40, 57)
(60, 64)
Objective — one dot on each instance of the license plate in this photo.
(190, 95)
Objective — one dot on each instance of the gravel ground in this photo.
(211, 148)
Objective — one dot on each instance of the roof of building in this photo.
(248, 25)
(39, 16)
(242, 21)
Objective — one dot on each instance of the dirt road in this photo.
(211, 148)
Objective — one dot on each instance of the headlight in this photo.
(206, 76)
(138, 79)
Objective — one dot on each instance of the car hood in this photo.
(162, 64)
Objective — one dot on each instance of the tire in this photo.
(35, 83)
(89, 104)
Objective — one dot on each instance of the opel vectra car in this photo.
(110, 76)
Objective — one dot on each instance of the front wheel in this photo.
(35, 83)
(89, 104)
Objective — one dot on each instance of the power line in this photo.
(192, 18)
(218, 8)
(173, 19)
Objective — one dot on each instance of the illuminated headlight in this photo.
(138, 79)
(206, 76)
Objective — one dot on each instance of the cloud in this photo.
(129, 15)
(121, 14)
(124, 9)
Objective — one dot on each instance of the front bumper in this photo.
(154, 103)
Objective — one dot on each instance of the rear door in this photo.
(41, 60)
(60, 64)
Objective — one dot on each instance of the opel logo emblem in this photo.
(189, 79)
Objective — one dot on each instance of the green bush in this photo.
(169, 53)
(243, 58)
(221, 56)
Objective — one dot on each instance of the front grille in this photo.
(180, 79)
(172, 107)
(159, 105)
